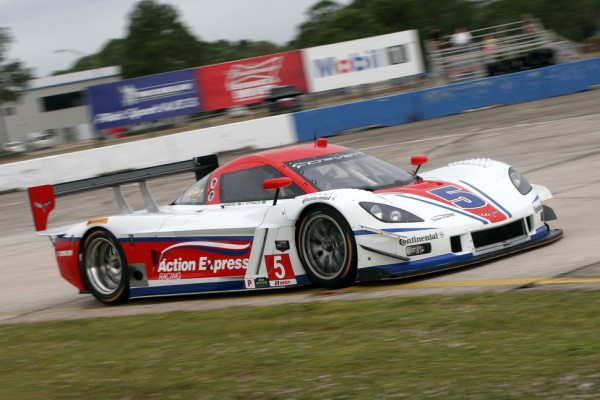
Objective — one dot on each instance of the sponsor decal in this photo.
(203, 259)
(261, 283)
(360, 61)
(64, 253)
(97, 221)
(419, 239)
(319, 197)
(169, 276)
(246, 203)
(325, 160)
(203, 264)
(418, 249)
(490, 214)
(442, 216)
(283, 282)
(282, 245)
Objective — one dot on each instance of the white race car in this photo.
(311, 213)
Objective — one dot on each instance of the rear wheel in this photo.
(327, 248)
(104, 268)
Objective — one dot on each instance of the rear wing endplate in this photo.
(42, 198)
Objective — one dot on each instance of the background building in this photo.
(57, 105)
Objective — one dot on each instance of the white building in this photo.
(56, 105)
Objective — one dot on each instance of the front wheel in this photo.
(104, 268)
(327, 248)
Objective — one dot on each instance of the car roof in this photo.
(280, 156)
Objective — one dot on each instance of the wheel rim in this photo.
(103, 266)
(325, 247)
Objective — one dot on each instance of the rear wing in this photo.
(42, 198)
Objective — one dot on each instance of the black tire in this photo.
(327, 248)
(104, 268)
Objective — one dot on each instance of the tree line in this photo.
(157, 41)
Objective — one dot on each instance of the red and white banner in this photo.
(247, 81)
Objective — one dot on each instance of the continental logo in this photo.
(320, 197)
(421, 239)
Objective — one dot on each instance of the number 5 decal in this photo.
(459, 197)
(279, 269)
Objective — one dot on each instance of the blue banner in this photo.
(144, 99)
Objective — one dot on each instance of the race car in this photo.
(307, 214)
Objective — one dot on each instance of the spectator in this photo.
(489, 45)
(435, 37)
(461, 38)
(530, 25)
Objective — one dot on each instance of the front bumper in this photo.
(449, 261)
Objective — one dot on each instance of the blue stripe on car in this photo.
(494, 202)
(453, 209)
(425, 264)
(392, 230)
(194, 288)
(539, 232)
(189, 238)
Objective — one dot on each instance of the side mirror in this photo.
(276, 183)
(418, 160)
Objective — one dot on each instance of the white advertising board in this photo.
(361, 61)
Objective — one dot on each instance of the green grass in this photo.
(517, 345)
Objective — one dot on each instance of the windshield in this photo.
(350, 169)
(194, 195)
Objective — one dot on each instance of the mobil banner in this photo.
(144, 99)
(361, 61)
(247, 81)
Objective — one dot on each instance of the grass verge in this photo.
(534, 345)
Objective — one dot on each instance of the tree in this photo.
(577, 20)
(223, 50)
(157, 42)
(314, 32)
(14, 77)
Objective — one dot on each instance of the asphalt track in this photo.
(555, 142)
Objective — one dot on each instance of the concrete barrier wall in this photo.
(451, 99)
(303, 126)
(259, 133)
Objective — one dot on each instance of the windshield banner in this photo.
(144, 99)
(247, 81)
(362, 61)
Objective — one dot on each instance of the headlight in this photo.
(386, 213)
(520, 182)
